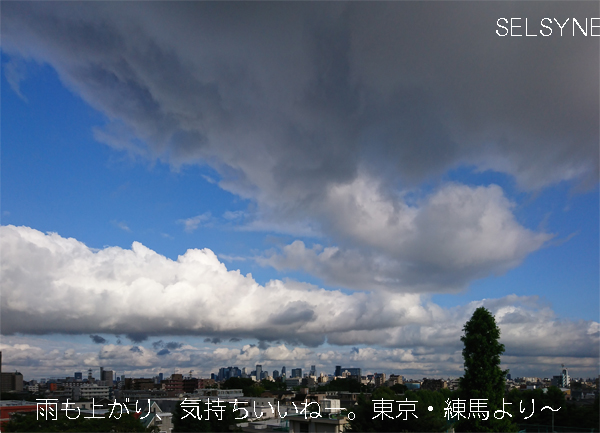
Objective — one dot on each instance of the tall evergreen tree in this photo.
(483, 378)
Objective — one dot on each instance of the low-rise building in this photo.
(302, 424)
(223, 394)
(90, 391)
(10, 407)
(434, 384)
(154, 416)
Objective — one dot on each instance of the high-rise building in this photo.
(258, 372)
(11, 382)
(227, 372)
(296, 372)
(107, 376)
(78, 375)
(283, 371)
(313, 371)
(356, 372)
(275, 374)
(566, 380)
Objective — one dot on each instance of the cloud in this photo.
(137, 337)
(301, 99)
(162, 297)
(122, 225)
(449, 238)
(36, 359)
(163, 352)
(172, 345)
(229, 258)
(263, 345)
(294, 312)
(98, 339)
(326, 120)
(234, 215)
(214, 340)
(191, 224)
(209, 179)
(15, 73)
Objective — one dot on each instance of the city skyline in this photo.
(192, 185)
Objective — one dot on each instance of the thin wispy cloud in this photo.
(191, 224)
(122, 225)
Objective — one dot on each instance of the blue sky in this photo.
(421, 214)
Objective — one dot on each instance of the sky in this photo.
(195, 185)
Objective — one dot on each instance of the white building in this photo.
(300, 424)
(90, 391)
(330, 406)
(223, 394)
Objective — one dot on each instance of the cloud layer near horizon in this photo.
(56, 285)
(36, 359)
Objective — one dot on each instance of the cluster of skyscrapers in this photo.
(259, 374)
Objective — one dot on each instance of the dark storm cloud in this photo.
(263, 345)
(214, 340)
(172, 345)
(405, 89)
(233, 339)
(163, 352)
(135, 349)
(137, 337)
(294, 312)
(98, 339)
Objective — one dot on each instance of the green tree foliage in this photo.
(529, 403)
(28, 422)
(209, 422)
(483, 378)
(248, 386)
(346, 384)
(399, 388)
(273, 386)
